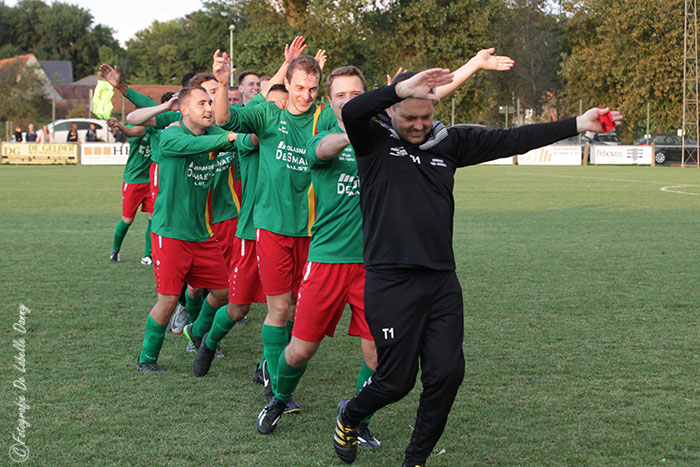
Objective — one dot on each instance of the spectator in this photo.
(72, 133)
(45, 136)
(119, 136)
(17, 137)
(30, 137)
(91, 135)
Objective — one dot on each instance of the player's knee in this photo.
(128, 220)
(237, 312)
(299, 355)
(194, 293)
(218, 297)
(279, 309)
(297, 359)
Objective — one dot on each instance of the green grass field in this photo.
(581, 332)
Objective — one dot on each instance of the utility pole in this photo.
(690, 86)
(231, 27)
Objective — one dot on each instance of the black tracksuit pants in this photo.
(414, 315)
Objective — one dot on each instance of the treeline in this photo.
(622, 53)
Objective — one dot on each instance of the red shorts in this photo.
(153, 172)
(135, 195)
(175, 262)
(225, 233)
(244, 285)
(281, 261)
(323, 294)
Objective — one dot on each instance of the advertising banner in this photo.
(502, 161)
(40, 154)
(557, 154)
(620, 155)
(104, 153)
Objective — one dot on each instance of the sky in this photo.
(126, 17)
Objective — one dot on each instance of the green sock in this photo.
(119, 234)
(152, 340)
(147, 248)
(274, 341)
(203, 322)
(219, 328)
(287, 379)
(193, 306)
(290, 326)
(362, 377)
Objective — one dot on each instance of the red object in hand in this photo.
(606, 120)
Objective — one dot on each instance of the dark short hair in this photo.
(277, 87)
(242, 76)
(200, 78)
(166, 97)
(184, 94)
(403, 76)
(305, 63)
(186, 78)
(349, 70)
(233, 88)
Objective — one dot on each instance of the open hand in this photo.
(221, 67)
(295, 49)
(321, 57)
(422, 85)
(487, 61)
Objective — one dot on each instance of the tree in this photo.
(535, 38)
(624, 54)
(24, 100)
(157, 54)
(59, 31)
(424, 34)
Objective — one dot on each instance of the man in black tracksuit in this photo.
(413, 300)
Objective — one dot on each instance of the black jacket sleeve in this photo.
(477, 146)
(358, 113)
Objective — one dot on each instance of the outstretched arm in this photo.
(128, 131)
(147, 116)
(114, 77)
(359, 111)
(483, 60)
(424, 84)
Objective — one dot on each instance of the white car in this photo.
(60, 128)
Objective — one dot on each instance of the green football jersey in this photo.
(337, 231)
(162, 121)
(248, 158)
(283, 195)
(247, 169)
(187, 165)
(225, 201)
(139, 161)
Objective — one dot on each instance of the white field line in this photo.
(666, 189)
